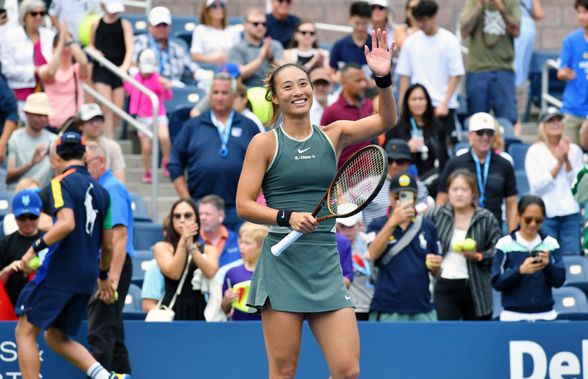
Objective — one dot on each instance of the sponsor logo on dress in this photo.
(303, 157)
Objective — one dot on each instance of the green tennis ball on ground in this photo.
(469, 244)
(85, 28)
(457, 246)
(34, 263)
(259, 105)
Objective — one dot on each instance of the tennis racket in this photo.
(357, 182)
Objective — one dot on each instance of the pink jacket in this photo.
(139, 104)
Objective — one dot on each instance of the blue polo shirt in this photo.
(574, 54)
(402, 286)
(120, 205)
(282, 30)
(72, 264)
(346, 51)
(8, 107)
(196, 150)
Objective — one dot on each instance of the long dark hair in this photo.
(294, 43)
(528, 200)
(172, 236)
(270, 88)
(428, 116)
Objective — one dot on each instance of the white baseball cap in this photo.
(481, 121)
(160, 15)
(147, 61)
(114, 6)
(351, 220)
(89, 111)
(382, 3)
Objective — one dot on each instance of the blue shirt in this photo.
(196, 150)
(402, 286)
(121, 209)
(574, 54)
(8, 108)
(231, 250)
(72, 264)
(344, 249)
(282, 30)
(153, 282)
(346, 51)
(235, 276)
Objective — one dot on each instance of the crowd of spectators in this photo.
(405, 257)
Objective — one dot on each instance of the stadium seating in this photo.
(5, 203)
(139, 206)
(518, 152)
(132, 309)
(186, 36)
(146, 235)
(177, 118)
(183, 24)
(190, 95)
(522, 183)
(138, 21)
(464, 145)
(555, 86)
(141, 262)
(570, 303)
(576, 272)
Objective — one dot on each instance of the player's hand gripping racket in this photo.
(357, 182)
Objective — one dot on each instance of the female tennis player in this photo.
(295, 164)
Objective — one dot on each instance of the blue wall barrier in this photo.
(441, 350)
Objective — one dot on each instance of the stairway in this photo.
(166, 194)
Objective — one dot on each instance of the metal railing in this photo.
(152, 134)
(546, 97)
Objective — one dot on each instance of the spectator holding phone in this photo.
(405, 249)
(527, 265)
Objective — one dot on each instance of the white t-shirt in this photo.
(431, 61)
(555, 192)
(454, 264)
(206, 39)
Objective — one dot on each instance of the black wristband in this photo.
(383, 81)
(283, 217)
(103, 274)
(39, 245)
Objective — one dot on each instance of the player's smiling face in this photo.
(293, 91)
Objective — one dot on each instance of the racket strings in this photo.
(357, 182)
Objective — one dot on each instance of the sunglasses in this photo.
(378, 7)
(488, 132)
(258, 23)
(36, 14)
(217, 5)
(307, 32)
(187, 215)
(285, 1)
(536, 220)
(398, 162)
(29, 217)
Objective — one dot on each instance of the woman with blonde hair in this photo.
(551, 166)
(213, 37)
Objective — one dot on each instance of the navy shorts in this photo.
(50, 307)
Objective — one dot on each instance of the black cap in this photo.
(403, 182)
(397, 149)
(70, 143)
(550, 113)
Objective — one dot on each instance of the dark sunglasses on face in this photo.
(217, 5)
(187, 215)
(307, 32)
(536, 220)
(35, 14)
(399, 162)
(258, 23)
(30, 217)
(488, 132)
(285, 1)
(378, 7)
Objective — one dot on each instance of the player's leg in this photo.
(282, 332)
(28, 350)
(337, 334)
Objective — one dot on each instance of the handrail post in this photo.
(149, 132)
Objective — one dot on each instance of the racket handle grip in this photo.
(279, 248)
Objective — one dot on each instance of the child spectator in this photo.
(113, 38)
(527, 265)
(251, 238)
(140, 105)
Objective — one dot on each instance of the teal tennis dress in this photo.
(307, 277)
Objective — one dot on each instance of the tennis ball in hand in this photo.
(34, 263)
(428, 264)
(469, 244)
(458, 246)
(115, 295)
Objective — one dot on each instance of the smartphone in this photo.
(406, 197)
(535, 254)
